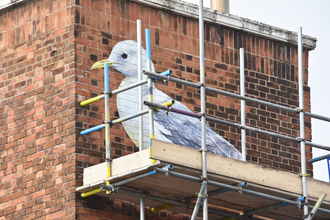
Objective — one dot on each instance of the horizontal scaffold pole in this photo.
(221, 121)
(89, 101)
(316, 159)
(172, 109)
(119, 120)
(235, 188)
(233, 95)
(177, 203)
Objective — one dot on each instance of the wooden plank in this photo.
(228, 167)
(119, 166)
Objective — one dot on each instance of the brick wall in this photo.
(47, 49)
(37, 115)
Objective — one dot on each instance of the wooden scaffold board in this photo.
(220, 169)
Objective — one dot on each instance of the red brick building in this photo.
(46, 51)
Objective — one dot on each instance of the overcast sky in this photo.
(313, 17)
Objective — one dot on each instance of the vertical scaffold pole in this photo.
(139, 41)
(242, 85)
(151, 111)
(302, 120)
(107, 122)
(203, 191)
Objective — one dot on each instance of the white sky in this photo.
(314, 18)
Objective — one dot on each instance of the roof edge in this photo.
(213, 16)
(232, 21)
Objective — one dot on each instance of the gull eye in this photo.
(124, 55)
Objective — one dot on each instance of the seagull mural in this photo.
(174, 128)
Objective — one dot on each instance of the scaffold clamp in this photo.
(108, 122)
(304, 174)
(299, 139)
(205, 149)
(201, 195)
(299, 110)
(108, 92)
(240, 191)
(110, 188)
(169, 109)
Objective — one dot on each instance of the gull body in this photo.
(173, 128)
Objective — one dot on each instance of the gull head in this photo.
(124, 58)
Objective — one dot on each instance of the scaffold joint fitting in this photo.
(108, 92)
(169, 109)
(240, 191)
(299, 139)
(203, 179)
(108, 122)
(304, 174)
(205, 149)
(201, 84)
(299, 110)
(201, 195)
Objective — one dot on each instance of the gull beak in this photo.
(100, 64)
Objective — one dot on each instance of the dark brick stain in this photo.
(157, 36)
(221, 66)
(93, 57)
(184, 26)
(105, 41)
(106, 35)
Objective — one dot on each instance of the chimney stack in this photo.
(220, 5)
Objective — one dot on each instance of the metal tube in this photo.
(92, 192)
(234, 188)
(151, 112)
(90, 130)
(107, 122)
(203, 110)
(320, 117)
(176, 110)
(217, 120)
(302, 120)
(233, 95)
(177, 203)
(242, 87)
(250, 128)
(317, 145)
(162, 207)
(117, 91)
(316, 207)
(119, 120)
(319, 158)
(264, 209)
(169, 78)
(89, 101)
(142, 205)
(134, 178)
(166, 73)
(199, 200)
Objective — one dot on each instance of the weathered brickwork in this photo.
(46, 51)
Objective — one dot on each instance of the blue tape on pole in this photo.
(166, 73)
(152, 172)
(106, 77)
(283, 204)
(90, 130)
(328, 165)
(148, 46)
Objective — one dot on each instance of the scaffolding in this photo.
(204, 193)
